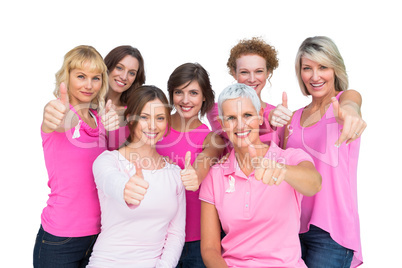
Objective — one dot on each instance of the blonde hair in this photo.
(82, 57)
(322, 50)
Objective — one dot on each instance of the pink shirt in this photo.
(149, 235)
(261, 222)
(117, 138)
(266, 132)
(73, 206)
(334, 208)
(176, 145)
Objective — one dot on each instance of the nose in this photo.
(251, 77)
(316, 75)
(88, 84)
(185, 98)
(123, 75)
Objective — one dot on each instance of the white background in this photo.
(35, 35)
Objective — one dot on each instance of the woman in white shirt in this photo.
(141, 195)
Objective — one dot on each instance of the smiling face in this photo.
(241, 121)
(84, 85)
(318, 79)
(188, 99)
(252, 71)
(124, 74)
(152, 123)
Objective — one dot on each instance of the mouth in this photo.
(243, 134)
(254, 86)
(119, 83)
(185, 108)
(86, 93)
(317, 86)
(150, 135)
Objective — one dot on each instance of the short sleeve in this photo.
(296, 156)
(207, 188)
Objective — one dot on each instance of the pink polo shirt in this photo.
(261, 222)
(117, 138)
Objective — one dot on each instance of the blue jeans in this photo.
(320, 250)
(191, 256)
(62, 252)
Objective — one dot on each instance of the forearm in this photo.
(351, 100)
(213, 258)
(304, 178)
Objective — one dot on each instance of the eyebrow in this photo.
(150, 115)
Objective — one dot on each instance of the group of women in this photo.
(135, 179)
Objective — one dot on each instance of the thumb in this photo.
(284, 100)
(187, 160)
(64, 94)
(335, 106)
(108, 106)
(138, 170)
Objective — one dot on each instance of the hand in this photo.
(55, 112)
(224, 158)
(189, 176)
(265, 169)
(136, 187)
(281, 115)
(110, 118)
(352, 122)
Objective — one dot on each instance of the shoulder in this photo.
(290, 156)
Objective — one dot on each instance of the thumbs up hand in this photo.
(55, 112)
(110, 118)
(136, 187)
(189, 176)
(350, 119)
(281, 115)
(266, 170)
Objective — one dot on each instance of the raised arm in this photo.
(57, 115)
(193, 175)
(348, 114)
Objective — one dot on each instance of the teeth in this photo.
(243, 133)
(317, 85)
(120, 83)
(152, 135)
(186, 108)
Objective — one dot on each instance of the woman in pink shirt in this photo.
(252, 62)
(255, 194)
(141, 195)
(72, 137)
(329, 129)
(192, 146)
(126, 72)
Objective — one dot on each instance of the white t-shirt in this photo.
(148, 235)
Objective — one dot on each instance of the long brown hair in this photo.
(115, 56)
(136, 102)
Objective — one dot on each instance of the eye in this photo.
(247, 115)
(161, 118)
(143, 117)
(194, 93)
(306, 68)
(133, 73)
(177, 92)
(81, 76)
(97, 78)
(119, 68)
(230, 118)
(244, 72)
(323, 67)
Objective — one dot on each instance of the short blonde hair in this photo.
(77, 58)
(322, 50)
